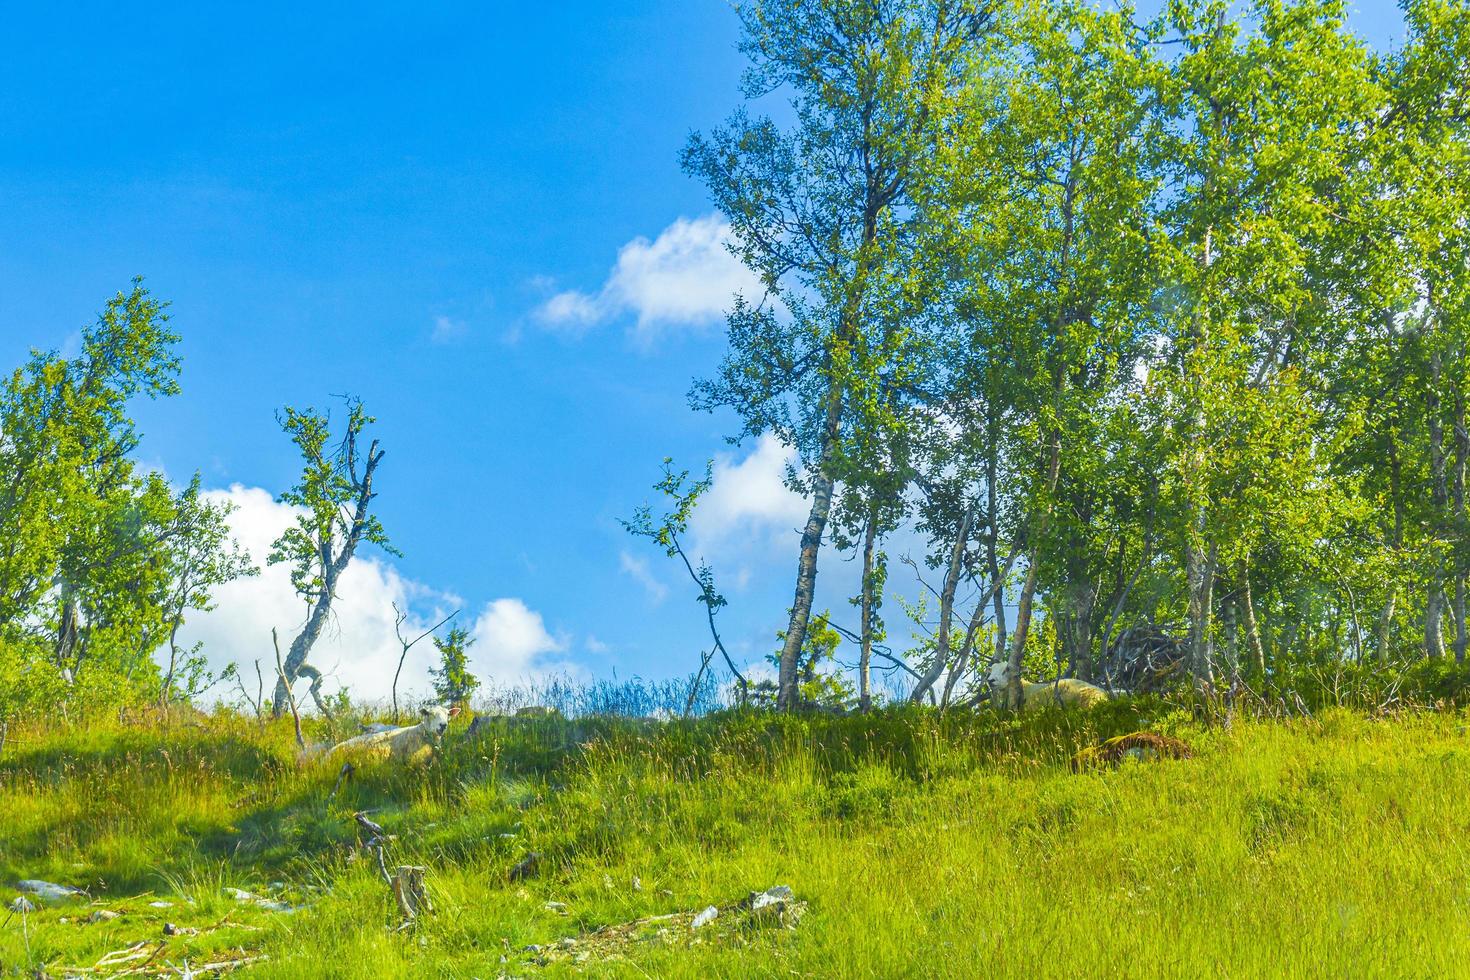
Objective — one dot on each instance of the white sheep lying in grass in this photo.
(406, 744)
(1069, 692)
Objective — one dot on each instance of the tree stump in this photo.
(408, 891)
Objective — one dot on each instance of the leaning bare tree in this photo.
(335, 493)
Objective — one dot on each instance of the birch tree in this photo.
(335, 493)
(818, 212)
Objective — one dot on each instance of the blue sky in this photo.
(424, 207)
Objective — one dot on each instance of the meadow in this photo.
(914, 844)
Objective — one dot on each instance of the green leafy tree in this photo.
(453, 682)
(83, 534)
(821, 213)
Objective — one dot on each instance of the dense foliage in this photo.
(1149, 328)
(100, 558)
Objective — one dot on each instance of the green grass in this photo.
(961, 846)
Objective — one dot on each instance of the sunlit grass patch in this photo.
(919, 844)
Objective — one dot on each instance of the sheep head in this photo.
(999, 675)
(434, 719)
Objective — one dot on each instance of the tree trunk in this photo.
(301, 646)
(1012, 694)
(1439, 494)
(1083, 602)
(962, 662)
(865, 662)
(1201, 573)
(992, 544)
(787, 692)
(1232, 637)
(173, 660)
(946, 608)
(1395, 487)
(1385, 628)
(1248, 608)
(1462, 450)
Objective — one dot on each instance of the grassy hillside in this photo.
(921, 847)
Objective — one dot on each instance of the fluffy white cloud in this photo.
(508, 639)
(637, 569)
(684, 277)
(359, 649)
(749, 500)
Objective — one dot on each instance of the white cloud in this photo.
(594, 645)
(686, 277)
(509, 638)
(637, 569)
(359, 649)
(749, 499)
(572, 309)
(447, 330)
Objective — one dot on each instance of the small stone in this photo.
(239, 894)
(169, 929)
(533, 949)
(637, 884)
(160, 905)
(773, 906)
(102, 915)
(566, 943)
(771, 896)
(705, 918)
(558, 907)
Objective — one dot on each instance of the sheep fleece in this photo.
(1071, 692)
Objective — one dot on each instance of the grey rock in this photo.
(705, 918)
(779, 895)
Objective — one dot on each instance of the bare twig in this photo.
(399, 618)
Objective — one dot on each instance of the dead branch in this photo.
(399, 618)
